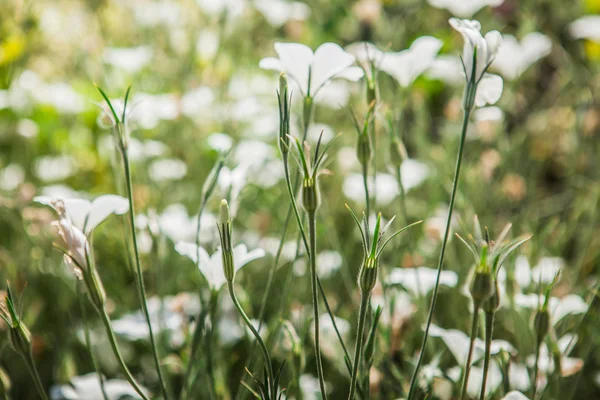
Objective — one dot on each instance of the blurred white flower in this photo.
(231, 182)
(211, 266)
(447, 68)
(586, 27)
(130, 59)
(220, 141)
(310, 387)
(407, 65)
(311, 71)
(278, 12)
(196, 102)
(420, 281)
(515, 395)
(88, 387)
(137, 151)
(86, 215)
(330, 345)
(558, 307)
(335, 95)
(489, 86)
(177, 225)
(544, 272)
(367, 55)
(207, 44)
(464, 8)
(491, 113)
(54, 168)
(154, 13)
(519, 377)
(167, 169)
(11, 177)
(149, 109)
(216, 8)
(328, 262)
(569, 365)
(514, 58)
(27, 128)
(458, 344)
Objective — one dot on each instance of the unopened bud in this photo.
(481, 287)
(95, 289)
(224, 212)
(20, 338)
(363, 149)
(283, 85)
(541, 324)
(284, 115)
(367, 276)
(226, 248)
(311, 198)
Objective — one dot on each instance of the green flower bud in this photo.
(20, 338)
(225, 235)
(363, 149)
(284, 115)
(224, 212)
(492, 303)
(95, 289)
(541, 324)
(367, 276)
(283, 84)
(311, 198)
(482, 287)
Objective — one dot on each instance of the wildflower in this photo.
(420, 281)
(558, 354)
(464, 8)
(278, 12)
(55, 168)
(310, 70)
(167, 169)
(478, 53)
(406, 65)
(586, 27)
(514, 58)
(88, 387)
(130, 59)
(211, 267)
(515, 395)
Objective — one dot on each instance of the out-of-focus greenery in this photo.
(537, 167)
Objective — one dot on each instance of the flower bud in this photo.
(284, 115)
(95, 289)
(283, 85)
(224, 212)
(311, 198)
(541, 324)
(363, 149)
(492, 303)
(20, 338)
(225, 235)
(481, 287)
(367, 276)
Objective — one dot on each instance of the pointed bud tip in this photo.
(224, 211)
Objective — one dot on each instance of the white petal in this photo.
(568, 305)
(243, 257)
(514, 395)
(188, 249)
(328, 61)
(104, 206)
(78, 210)
(489, 90)
(270, 63)
(587, 27)
(494, 41)
(353, 74)
(519, 377)
(296, 60)
(522, 272)
(421, 280)
(456, 341)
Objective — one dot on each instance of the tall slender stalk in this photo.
(115, 347)
(358, 349)
(536, 370)
(365, 174)
(34, 374)
(467, 368)
(139, 274)
(312, 234)
(489, 330)
(467, 114)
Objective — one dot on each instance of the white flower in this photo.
(11, 177)
(86, 215)
(54, 168)
(195, 102)
(478, 53)
(514, 58)
(586, 27)
(130, 59)
(367, 55)
(231, 8)
(330, 344)
(406, 65)
(220, 141)
(421, 280)
(558, 307)
(311, 71)
(328, 261)
(167, 169)
(515, 395)
(88, 387)
(569, 365)
(150, 109)
(544, 272)
(464, 8)
(231, 182)
(153, 13)
(211, 266)
(208, 43)
(278, 12)
(458, 344)
(447, 68)
(177, 225)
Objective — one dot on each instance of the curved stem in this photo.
(261, 343)
(115, 348)
(489, 330)
(442, 252)
(312, 233)
(140, 276)
(362, 317)
(467, 368)
(34, 374)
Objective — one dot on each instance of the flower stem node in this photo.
(368, 275)
(541, 324)
(225, 235)
(482, 287)
(311, 198)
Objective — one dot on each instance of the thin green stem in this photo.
(332, 317)
(139, 274)
(312, 233)
(88, 344)
(467, 368)
(442, 252)
(489, 331)
(115, 347)
(34, 374)
(210, 338)
(261, 343)
(358, 349)
(365, 174)
(536, 370)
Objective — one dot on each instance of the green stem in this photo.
(210, 335)
(88, 344)
(467, 368)
(312, 233)
(115, 348)
(365, 174)
(261, 343)
(440, 265)
(362, 317)
(140, 276)
(34, 374)
(536, 370)
(489, 331)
